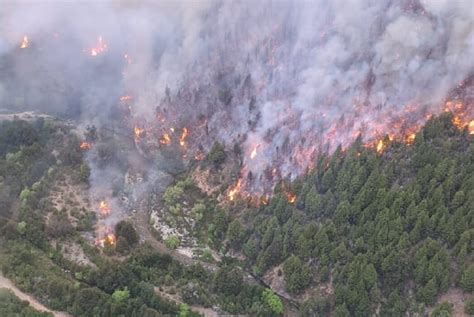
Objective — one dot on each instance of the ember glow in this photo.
(380, 146)
(184, 135)
(127, 58)
(126, 98)
(165, 139)
(100, 47)
(138, 132)
(234, 190)
(84, 146)
(409, 139)
(253, 154)
(107, 238)
(104, 208)
(24, 42)
(282, 100)
(291, 197)
(110, 239)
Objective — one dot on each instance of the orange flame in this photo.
(104, 208)
(24, 42)
(110, 239)
(380, 146)
(470, 127)
(409, 139)
(165, 139)
(291, 197)
(235, 190)
(184, 135)
(138, 132)
(100, 47)
(126, 98)
(85, 146)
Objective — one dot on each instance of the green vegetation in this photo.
(10, 305)
(172, 242)
(389, 232)
(378, 227)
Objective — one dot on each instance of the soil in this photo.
(6, 283)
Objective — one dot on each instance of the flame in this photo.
(409, 139)
(127, 58)
(138, 132)
(458, 122)
(380, 146)
(24, 42)
(291, 197)
(470, 127)
(253, 154)
(126, 98)
(110, 239)
(235, 190)
(100, 47)
(184, 135)
(165, 139)
(85, 146)
(104, 208)
(264, 200)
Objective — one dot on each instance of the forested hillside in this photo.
(362, 233)
(369, 232)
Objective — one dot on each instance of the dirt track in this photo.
(6, 283)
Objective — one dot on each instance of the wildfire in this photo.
(253, 154)
(380, 146)
(460, 117)
(409, 139)
(184, 135)
(235, 190)
(264, 200)
(199, 156)
(100, 47)
(126, 98)
(108, 239)
(165, 139)
(24, 42)
(104, 208)
(127, 58)
(85, 146)
(138, 132)
(458, 122)
(291, 197)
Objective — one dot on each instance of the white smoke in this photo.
(294, 78)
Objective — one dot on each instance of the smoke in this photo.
(293, 78)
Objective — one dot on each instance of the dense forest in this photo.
(368, 233)
(387, 232)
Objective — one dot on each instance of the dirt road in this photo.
(6, 283)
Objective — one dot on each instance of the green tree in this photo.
(126, 230)
(172, 242)
(121, 295)
(217, 154)
(272, 301)
(467, 279)
(297, 274)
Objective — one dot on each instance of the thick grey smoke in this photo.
(291, 78)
